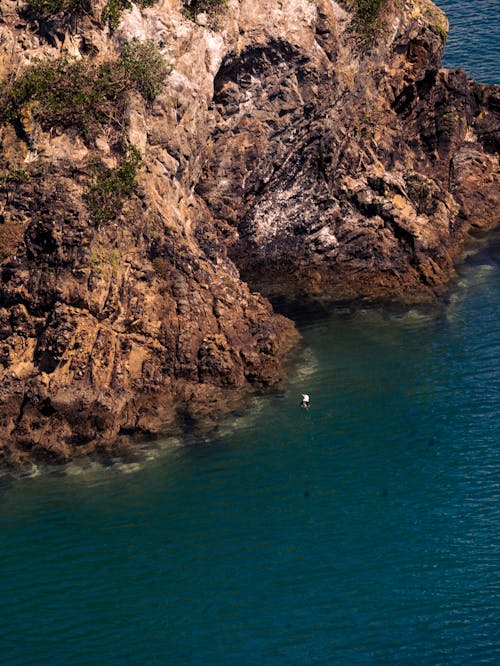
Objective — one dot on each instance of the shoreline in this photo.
(134, 453)
(287, 143)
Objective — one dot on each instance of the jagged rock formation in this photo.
(280, 146)
(339, 172)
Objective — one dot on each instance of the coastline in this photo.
(275, 143)
(137, 453)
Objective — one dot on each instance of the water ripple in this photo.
(474, 37)
(361, 531)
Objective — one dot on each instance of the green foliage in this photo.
(193, 7)
(81, 93)
(367, 21)
(114, 258)
(114, 8)
(100, 257)
(49, 8)
(441, 31)
(111, 187)
(144, 66)
(363, 126)
(94, 259)
(110, 14)
(17, 176)
(67, 93)
(367, 11)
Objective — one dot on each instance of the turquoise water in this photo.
(362, 531)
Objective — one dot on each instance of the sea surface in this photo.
(473, 40)
(364, 530)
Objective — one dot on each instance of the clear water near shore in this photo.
(362, 531)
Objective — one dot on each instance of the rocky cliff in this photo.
(154, 154)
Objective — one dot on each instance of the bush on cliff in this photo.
(49, 8)
(113, 10)
(145, 67)
(110, 187)
(110, 15)
(81, 93)
(441, 31)
(366, 21)
(192, 8)
(66, 93)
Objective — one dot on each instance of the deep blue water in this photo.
(473, 40)
(362, 531)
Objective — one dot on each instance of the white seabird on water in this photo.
(305, 402)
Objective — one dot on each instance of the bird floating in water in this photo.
(305, 402)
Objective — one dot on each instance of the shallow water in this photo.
(361, 531)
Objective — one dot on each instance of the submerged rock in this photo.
(279, 142)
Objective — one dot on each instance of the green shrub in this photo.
(441, 31)
(114, 8)
(111, 187)
(49, 8)
(67, 93)
(368, 11)
(81, 93)
(366, 21)
(110, 14)
(16, 176)
(145, 67)
(193, 7)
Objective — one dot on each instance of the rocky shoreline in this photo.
(272, 150)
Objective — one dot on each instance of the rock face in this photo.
(341, 172)
(281, 147)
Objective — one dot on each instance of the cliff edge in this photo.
(156, 153)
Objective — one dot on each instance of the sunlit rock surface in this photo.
(281, 149)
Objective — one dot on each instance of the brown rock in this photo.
(277, 147)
